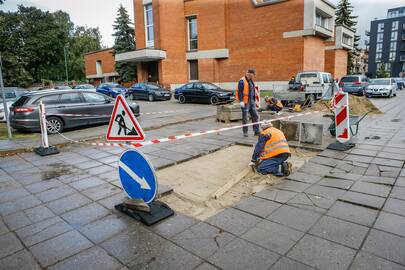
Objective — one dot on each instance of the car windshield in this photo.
(116, 85)
(380, 82)
(152, 86)
(61, 87)
(209, 86)
(8, 95)
(84, 86)
(350, 79)
(309, 78)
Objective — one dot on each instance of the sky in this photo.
(101, 13)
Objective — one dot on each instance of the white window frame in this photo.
(379, 47)
(388, 67)
(380, 37)
(149, 43)
(393, 56)
(394, 36)
(380, 27)
(393, 46)
(395, 25)
(188, 32)
(378, 57)
(324, 21)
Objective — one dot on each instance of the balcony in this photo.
(402, 58)
(403, 48)
(367, 33)
(143, 55)
(403, 36)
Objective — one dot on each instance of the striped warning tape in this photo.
(108, 115)
(183, 136)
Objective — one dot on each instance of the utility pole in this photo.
(3, 93)
(66, 68)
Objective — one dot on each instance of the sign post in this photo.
(3, 93)
(44, 149)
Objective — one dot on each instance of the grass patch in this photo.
(266, 93)
(16, 134)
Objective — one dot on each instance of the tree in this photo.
(344, 17)
(382, 72)
(124, 42)
(2, 1)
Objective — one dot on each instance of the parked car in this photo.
(386, 87)
(11, 95)
(203, 92)
(112, 89)
(354, 84)
(85, 87)
(400, 83)
(63, 87)
(314, 78)
(148, 91)
(24, 112)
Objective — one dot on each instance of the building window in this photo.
(394, 36)
(99, 68)
(381, 27)
(193, 70)
(378, 57)
(388, 66)
(192, 33)
(379, 47)
(322, 21)
(395, 25)
(403, 67)
(348, 40)
(393, 55)
(393, 46)
(380, 37)
(150, 39)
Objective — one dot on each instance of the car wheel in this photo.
(151, 98)
(132, 96)
(54, 125)
(390, 95)
(214, 100)
(182, 99)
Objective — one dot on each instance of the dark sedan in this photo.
(64, 109)
(148, 91)
(112, 89)
(203, 92)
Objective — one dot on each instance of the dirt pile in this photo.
(358, 106)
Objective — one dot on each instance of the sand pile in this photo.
(358, 106)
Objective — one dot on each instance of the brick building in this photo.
(100, 66)
(217, 40)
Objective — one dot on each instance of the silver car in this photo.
(385, 87)
(11, 94)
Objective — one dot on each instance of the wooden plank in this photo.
(228, 185)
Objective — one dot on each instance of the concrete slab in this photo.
(353, 213)
(363, 200)
(391, 223)
(295, 218)
(257, 206)
(366, 261)
(311, 133)
(371, 188)
(21, 260)
(288, 264)
(173, 225)
(281, 196)
(9, 244)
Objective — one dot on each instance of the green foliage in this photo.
(382, 72)
(344, 17)
(32, 45)
(2, 1)
(124, 34)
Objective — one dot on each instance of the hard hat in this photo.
(266, 124)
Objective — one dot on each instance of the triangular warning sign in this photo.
(123, 125)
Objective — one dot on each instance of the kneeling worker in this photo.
(273, 104)
(271, 152)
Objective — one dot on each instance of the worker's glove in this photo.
(242, 104)
(252, 163)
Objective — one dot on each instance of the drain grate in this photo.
(372, 138)
(396, 120)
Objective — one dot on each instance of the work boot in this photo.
(245, 135)
(287, 168)
(257, 133)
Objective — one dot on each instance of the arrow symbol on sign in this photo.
(141, 181)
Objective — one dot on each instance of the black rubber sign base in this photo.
(158, 212)
(341, 146)
(42, 151)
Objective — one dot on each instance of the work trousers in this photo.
(250, 109)
(272, 165)
(273, 108)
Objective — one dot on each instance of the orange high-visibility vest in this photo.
(245, 91)
(276, 145)
(278, 103)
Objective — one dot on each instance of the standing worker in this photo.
(246, 96)
(273, 104)
(271, 152)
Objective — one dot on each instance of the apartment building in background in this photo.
(100, 66)
(217, 40)
(387, 43)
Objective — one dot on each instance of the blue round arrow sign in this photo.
(137, 176)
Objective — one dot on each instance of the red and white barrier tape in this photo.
(184, 136)
(108, 115)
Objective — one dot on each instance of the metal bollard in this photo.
(44, 149)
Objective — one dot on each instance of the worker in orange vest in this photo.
(246, 96)
(273, 104)
(271, 152)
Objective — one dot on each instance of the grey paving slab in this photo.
(67, 203)
(288, 264)
(364, 152)
(100, 169)
(87, 164)
(336, 183)
(372, 170)
(325, 192)
(101, 191)
(240, 254)
(281, 196)
(9, 244)
(43, 185)
(400, 182)
(366, 261)
(3, 228)
(87, 183)
(17, 220)
(311, 202)
(85, 214)
(203, 239)
(353, 213)
(358, 158)
(41, 231)
(13, 194)
(385, 245)
(398, 193)
(93, 258)
(391, 223)
(159, 163)
(172, 155)
(339, 231)
(111, 201)
(387, 155)
(166, 256)
(293, 217)
(363, 199)
(206, 266)
(19, 204)
(315, 169)
(55, 193)
(273, 236)
(388, 162)
(324, 161)
(347, 176)
(233, 221)
(21, 260)
(38, 213)
(333, 154)
(292, 185)
(257, 206)
(8, 185)
(173, 225)
(304, 177)
(371, 188)
(395, 206)
(322, 254)
(378, 180)
(59, 248)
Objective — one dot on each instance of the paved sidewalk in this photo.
(342, 210)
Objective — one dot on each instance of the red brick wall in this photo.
(314, 54)
(336, 62)
(107, 61)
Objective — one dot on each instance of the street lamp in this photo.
(66, 69)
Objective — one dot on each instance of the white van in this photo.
(315, 78)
